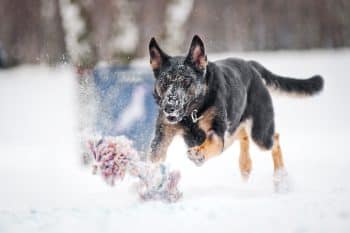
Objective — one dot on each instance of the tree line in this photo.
(117, 31)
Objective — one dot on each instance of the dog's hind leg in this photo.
(263, 131)
(277, 154)
(245, 162)
(260, 110)
(280, 178)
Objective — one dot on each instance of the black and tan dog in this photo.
(209, 102)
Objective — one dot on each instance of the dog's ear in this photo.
(196, 56)
(157, 56)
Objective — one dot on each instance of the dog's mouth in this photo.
(175, 116)
(173, 119)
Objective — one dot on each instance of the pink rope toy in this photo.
(114, 157)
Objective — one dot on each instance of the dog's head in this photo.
(180, 81)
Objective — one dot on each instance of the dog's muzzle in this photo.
(173, 109)
(173, 115)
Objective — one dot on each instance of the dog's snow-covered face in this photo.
(180, 81)
(177, 88)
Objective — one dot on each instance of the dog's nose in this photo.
(169, 108)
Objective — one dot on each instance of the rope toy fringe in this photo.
(114, 157)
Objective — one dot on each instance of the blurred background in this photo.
(86, 32)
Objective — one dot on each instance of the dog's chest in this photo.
(206, 119)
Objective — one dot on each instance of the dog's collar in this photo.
(194, 116)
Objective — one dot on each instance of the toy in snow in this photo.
(114, 157)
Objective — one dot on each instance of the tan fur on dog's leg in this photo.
(280, 177)
(212, 146)
(159, 152)
(245, 162)
(277, 154)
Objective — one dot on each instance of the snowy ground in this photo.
(44, 188)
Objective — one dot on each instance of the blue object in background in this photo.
(126, 105)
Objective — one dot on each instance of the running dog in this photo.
(208, 103)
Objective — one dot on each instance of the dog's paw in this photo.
(196, 155)
(281, 181)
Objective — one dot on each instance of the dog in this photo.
(209, 104)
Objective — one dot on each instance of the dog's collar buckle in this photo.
(194, 116)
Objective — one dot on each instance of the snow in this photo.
(44, 188)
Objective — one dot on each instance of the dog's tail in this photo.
(303, 87)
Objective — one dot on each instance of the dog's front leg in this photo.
(213, 145)
(213, 124)
(163, 137)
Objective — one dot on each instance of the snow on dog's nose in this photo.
(173, 111)
(169, 109)
(173, 104)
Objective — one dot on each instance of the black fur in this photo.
(233, 87)
(309, 86)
